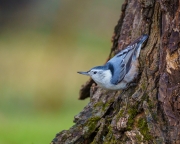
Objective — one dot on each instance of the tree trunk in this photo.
(148, 112)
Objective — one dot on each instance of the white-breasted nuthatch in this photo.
(120, 70)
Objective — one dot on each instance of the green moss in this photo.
(113, 140)
(91, 125)
(138, 137)
(150, 104)
(132, 114)
(99, 104)
(110, 139)
(154, 116)
(151, 107)
(143, 128)
(103, 105)
(143, 86)
(120, 114)
(144, 97)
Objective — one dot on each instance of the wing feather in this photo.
(120, 64)
(123, 61)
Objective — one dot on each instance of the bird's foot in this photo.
(130, 85)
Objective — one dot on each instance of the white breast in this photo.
(104, 78)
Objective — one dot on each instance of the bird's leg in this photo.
(133, 84)
(130, 85)
(123, 91)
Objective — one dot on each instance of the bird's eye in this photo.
(94, 72)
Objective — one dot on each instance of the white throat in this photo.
(103, 78)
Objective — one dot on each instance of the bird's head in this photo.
(98, 73)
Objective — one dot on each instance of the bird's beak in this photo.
(83, 73)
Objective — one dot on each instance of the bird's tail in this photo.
(138, 42)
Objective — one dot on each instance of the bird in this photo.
(121, 69)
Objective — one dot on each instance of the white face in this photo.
(95, 74)
(100, 76)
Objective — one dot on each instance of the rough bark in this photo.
(148, 112)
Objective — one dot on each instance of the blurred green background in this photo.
(43, 44)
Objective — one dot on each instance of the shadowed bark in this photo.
(150, 111)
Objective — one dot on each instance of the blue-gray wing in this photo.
(120, 64)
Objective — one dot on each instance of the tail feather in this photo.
(139, 43)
